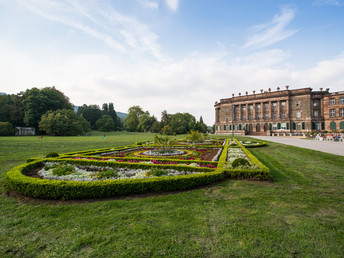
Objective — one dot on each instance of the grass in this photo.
(299, 213)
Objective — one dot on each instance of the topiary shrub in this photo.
(52, 155)
(240, 162)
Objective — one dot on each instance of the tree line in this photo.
(51, 112)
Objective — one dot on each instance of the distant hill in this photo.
(3, 93)
(121, 115)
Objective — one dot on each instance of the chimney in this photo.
(328, 89)
(287, 87)
(321, 89)
(233, 95)
(269, 89)
(261, 91)
(239, 94)
(278, 88)
(246, 93)
(254, 92)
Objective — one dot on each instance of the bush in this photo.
(52, 155)
(240, 162)
(111, 173)
(63, 170)
(7, 128)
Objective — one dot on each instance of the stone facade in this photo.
(281, 112)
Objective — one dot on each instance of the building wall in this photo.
(300, 111)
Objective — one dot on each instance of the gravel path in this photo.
(336, 148)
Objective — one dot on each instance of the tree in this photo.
(167, 130)
(6, 128)
(63, 122)
(131, 122)
(37, 102)
(91, 113)
(165, 118)
(182, 123)
(146, 122)
(156, 127)
(106, 124)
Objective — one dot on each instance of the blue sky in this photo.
(174, 55)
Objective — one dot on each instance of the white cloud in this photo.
(120, 33)
(150, 4)
(172, 4)
(267, 34)
(327, 2)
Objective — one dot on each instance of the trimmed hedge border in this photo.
(66, 190)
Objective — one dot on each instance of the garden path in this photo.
(336, 148)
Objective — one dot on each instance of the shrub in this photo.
(240, 162)
(52, 155)
(63, 170)
(157, 172)
(111, 173)
(7, 128)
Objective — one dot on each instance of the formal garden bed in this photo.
(133, 169)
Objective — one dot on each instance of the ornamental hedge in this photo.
(17, 180)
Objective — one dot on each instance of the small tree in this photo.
(7, 128)
(163, 141)
(63, 122)
(195, 136)
(106, 124)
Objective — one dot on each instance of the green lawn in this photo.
(299, 213)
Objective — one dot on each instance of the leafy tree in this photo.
(167, 130)
(91, 113)
(195, 136)
(36, 102)
(182, 123)
(6, 128)
(165, 118)
(146, 122)
(131, 122)
(63, 122)
(106, 124)
(156, 127)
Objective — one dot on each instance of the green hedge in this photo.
(65, 190)
(61, 189)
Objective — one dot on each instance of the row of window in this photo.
(285, 126)
(333, 112)
(333, 101)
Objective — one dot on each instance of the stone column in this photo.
(247, 112)
(270, 110)
(287, 115)
(254, 111)
(279, 109)
(240, 107)
(262, 110)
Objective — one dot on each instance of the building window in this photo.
(298, 114)
(332, 101)
(227, 119)
(274, 116)
(258, 116)
(266, 105)
(341, 125)
(243, 108)
(227, 109)
(236, 117)
(298, 103)
(266, 115)
(332, 113)
(244, 117)
(283, 104)
(250, 107)
(251, 117)
(333, 126)
(315, 103)
(274, 126)
(316, 113)
(258, 106)
(341, 112)
(318, 126)
(341, 100)
(283, 115)
(298, 126)
(274, 104)
(283, 126)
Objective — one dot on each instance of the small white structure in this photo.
(25, 131)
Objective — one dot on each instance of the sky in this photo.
(174, 55)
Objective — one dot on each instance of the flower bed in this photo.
(80, 175)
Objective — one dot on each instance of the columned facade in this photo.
(282, 112)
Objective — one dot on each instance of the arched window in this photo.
(341, 125)
(333, 126)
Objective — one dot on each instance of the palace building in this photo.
(281, 113)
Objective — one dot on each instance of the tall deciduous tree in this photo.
(131, 122)
(91, 113)
(63, 122)
(36, 102)
(106, 124)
